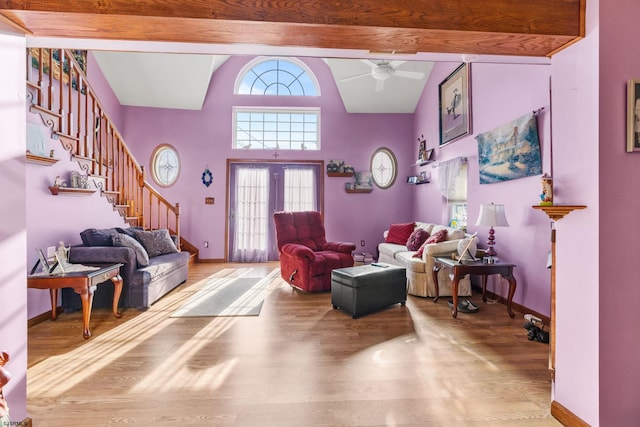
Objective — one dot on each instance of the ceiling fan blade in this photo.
(369, 63)
(408, 74)
(379, 85)
(357, 76)
(394, 64)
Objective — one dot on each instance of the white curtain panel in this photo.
(299, 189)
(251, 215)
(448, 170)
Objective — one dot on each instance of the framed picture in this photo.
(455, 104)
(633, 115)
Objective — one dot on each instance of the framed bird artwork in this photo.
(455, 104)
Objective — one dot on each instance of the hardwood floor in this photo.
(300, 363)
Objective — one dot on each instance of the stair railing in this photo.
(58, 90)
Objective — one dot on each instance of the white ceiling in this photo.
(177, 75)
(161, 80)
(181, 81)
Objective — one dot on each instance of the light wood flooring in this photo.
(300, 363)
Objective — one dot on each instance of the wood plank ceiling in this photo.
(492, 27)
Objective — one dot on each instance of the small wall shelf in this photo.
(68, 190)
(556, 212)
(359, 190)
(339, 174)
(41, 160)
(419, 182)
(422, 162)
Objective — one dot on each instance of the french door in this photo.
(257, 190)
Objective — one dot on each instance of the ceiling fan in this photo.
(384, 70)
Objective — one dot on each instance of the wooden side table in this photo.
(459, 270)
(84, 284)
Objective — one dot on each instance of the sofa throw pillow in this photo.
(437, 237)
(121, 239)
(156, 242)
(399, 233)
(95, 237)
(417, 238)
(131, 231)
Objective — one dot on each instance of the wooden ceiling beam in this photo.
(501, 27)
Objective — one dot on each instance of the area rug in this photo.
(229, 296)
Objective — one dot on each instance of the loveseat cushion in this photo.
(96, 237)
(417, 238)
(121, 239)
(156, 242)
(399, 233)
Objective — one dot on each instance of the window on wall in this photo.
(266, 127)
(165, 165)
(276, 76)
(276, 128)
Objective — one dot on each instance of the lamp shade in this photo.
(492, 216)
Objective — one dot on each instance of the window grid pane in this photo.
(268, 129)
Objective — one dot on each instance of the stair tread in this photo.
(66, 135)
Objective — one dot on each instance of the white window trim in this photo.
(262, 109)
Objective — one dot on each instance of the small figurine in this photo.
(546, 198)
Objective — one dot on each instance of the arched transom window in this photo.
(277, 76)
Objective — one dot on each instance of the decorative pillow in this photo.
(131, 231)
(399, 233)
(156, 242)
(437, 237)
(95, 237)
(417, 238)
(121, 239)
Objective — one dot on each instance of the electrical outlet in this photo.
(361, 242)
(206, 243)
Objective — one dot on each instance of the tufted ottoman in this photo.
(368, 288)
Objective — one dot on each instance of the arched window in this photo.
(277, 76)
(268, 127)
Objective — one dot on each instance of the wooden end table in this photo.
(84, 284)
(480, 268)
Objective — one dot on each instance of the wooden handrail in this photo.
(59, 91)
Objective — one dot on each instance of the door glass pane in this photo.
(251, 215)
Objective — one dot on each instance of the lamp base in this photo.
(490, 242)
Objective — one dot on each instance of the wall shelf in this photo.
(68, 190)
(359, 190)
(422, 162)
(41, 160)
(419, 182)
(340, 174)
(556, 212)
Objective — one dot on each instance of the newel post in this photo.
(177, 211)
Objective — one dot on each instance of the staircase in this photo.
(58, 90)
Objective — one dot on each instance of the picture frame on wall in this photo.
(633, 115)
(455, 104)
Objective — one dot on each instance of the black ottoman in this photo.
(368, 288)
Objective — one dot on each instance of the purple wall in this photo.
(13, 227)
(500, 93)
(203, 138)
(619, 174)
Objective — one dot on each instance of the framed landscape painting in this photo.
(455, 104)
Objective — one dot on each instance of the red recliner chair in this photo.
(306, 258)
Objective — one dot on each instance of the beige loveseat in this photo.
(420, 270)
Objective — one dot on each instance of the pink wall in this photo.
(578, 180)
(619, 174)
(203, 138)
(500, 93)
(13, 227)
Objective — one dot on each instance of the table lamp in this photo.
(492, 216)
